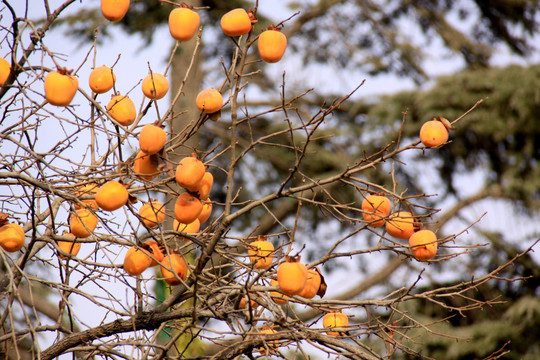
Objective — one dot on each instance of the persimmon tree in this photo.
(244, 280)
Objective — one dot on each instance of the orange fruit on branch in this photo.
(236, 22)
(183, 23)
(112, 195)
(261, 253)
(60, 87)
(87, 189)
(174, 266)
(423, 245)
(5, 70)
(272, 44)
(206, 211)
(136, 261)
(203, 187)
(374, 209)
(278, 297)
(114, 10)
(101, 79)
(82, 223)
(401, 225)
(122, 109)
(155, 86)
(152, 139)
(152, 213)
(209, 101)
(313, 284)
(146, 166)
(187, 208)
(153, 248)
(11, 237)
(270, 344)
(69, 247)
(189, 172)
(434, 133)
(336, 321)
(292, 275)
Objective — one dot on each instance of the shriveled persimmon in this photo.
(423, 245)
(11, 237)
(112, 195)
(261, 253)
(337, 322)
(236, 22)
(5, 69)
(152, 213)
(60, 87)
(101, 79)
(183, 23)
(209, 101)
(122, 109)
(187, 208)
(114, 10)
(71, 247)
(136, 261)
(401, 225)
(433, 133)
(146, 166)
(189, 172)
(292, 275)
(374, 209)
(82, 223)
(272, 44)
(173, 267)
(152, 138)
(155, 86)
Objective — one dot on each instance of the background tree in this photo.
(292, 179)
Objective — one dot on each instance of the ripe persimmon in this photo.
(187, 208)
(145, 166)
(433, 133)
(5, 69)
(209, 101)
(114, 10)
(271, 344)
(60, 87)
(423, 244)
(152, 138)
(278, 297)
(136, 261)
(189, 172)
(101, 79)
(261, 253)
(82, 223)
(112, 195)
(236, 22)
(122, 109)
(155, 86)
(336, 321)
(272, 44)
(177, 264)
(400, 225)
(11, 237)
(243, 303)
(183, 23)
(68, 246)
(153, 248)
(87, 189)
(206, 211)
(374, 209)
(203, 187)
(152, 213)
(292, 275)
(313, 283)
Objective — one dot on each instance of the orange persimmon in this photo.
(313, 283)
(112, 195)
(152, 138)
(155, 86)
(177, 264)
(272, 44)
(68, 246)
(101, 79)
(336, 321)
(122, 109)
(183, 23)
(114, 10)
(136, 261)
(261, 253)
(187, 208)
(82, 223)
(209, 101)
(189, 172)
(400, 225)
(60, 87)
(374, 209)
(145, 166)
(278, 297)
(433, 133)
(423, 244)
(153, 248)
(5, 69)
(11, 237)
(152, 213)
(203, 187)
(236, 22)
(292, 275)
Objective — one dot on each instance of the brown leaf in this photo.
(322, 289)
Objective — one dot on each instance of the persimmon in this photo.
(433, 133)
(236, 22)
(112, 195)
(145, 166)
(68, 246)
(152, 213)
(243, 303)
(292, 275)
(374, 209)
(187, 208)
(272, 44)
(261, 253)
(189, 172)
(155, 86)
(191, 228)
(209, 101)
(136, 261)
(278, 297)
(11, 237)
(206, 211)
(152, 138)
(122, 109)
(153, 248)
(203, 187)
(178, 265)
(183, 23)
(114, 10)
(271, 344)
(5, 69)
(82, 223)
(423, 244)
(101, 79)
(313, 283)
(400, 225)
(87, 189)
(60, 87)
(336, 321)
